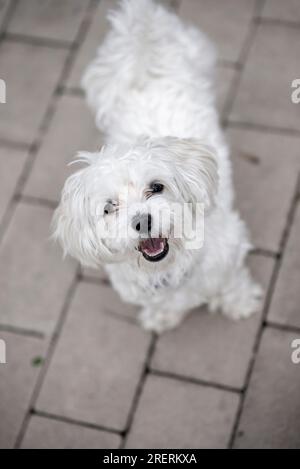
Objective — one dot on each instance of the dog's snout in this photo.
(142, 223)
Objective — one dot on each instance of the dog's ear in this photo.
(76, 223)
(196, 171)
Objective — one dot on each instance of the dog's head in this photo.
(128, 202)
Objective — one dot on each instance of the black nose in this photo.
(142, 223)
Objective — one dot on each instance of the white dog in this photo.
(150, 87)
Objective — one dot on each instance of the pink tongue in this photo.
(152, 245)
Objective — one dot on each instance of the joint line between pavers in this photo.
(22, 331)
(232, 124)
(36, 41)
(195, 381)
(139, 390)
(271, 287)
(252, 29)
(7, 18)
(48, 357)
(282, 327)
(79, 423)
(45, 123)
(277, 22)
(36, 201)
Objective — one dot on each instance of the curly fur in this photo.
(151, 89)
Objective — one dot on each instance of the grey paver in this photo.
(33, 278)
(97, 31)
(48, 20)
(11, 165)
(226, 23)
(210, 347)
(289, 10)
(285, 305)
(107, 355)
(17, 379)
(31, 74)
(110, 301)
(271, 416)
(4, 4)
(71, 130)
(100, 352)
(224, 81)
(174, 414)
(263, 163)
(264, 94)
(43, 433)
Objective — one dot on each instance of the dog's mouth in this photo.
(154, 249)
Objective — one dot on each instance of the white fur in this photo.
(152, 79)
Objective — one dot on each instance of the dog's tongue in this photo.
(152, 246)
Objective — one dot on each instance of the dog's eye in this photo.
(156, 187)
(109, 207)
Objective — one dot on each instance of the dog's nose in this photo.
(142, 223)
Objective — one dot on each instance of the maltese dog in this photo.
(155, 204)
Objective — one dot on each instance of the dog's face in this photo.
(125, 205)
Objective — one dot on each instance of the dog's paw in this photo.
(159, 321)
(242, 305)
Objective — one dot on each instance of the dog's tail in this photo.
(147, 46)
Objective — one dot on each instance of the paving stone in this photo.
(71, 130)
(43, 433)
(33, 277)
(17, 380)
(4, 4)
(224, 79)
(211, 347)
(96, 366)
(31, 74)
(289, 10)
(226, 23)
(265, 168)
(264, 94)
(55, 19)
(111, 303)
(100, 355)
(285, 305)
(175, 414)
(97, 32)
(11, 165)
(271, 415)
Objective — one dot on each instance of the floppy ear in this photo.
(75, 223)
(196, 170)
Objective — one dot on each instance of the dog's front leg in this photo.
(161, 317)
(239, 297)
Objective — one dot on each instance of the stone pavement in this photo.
(79, 371)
